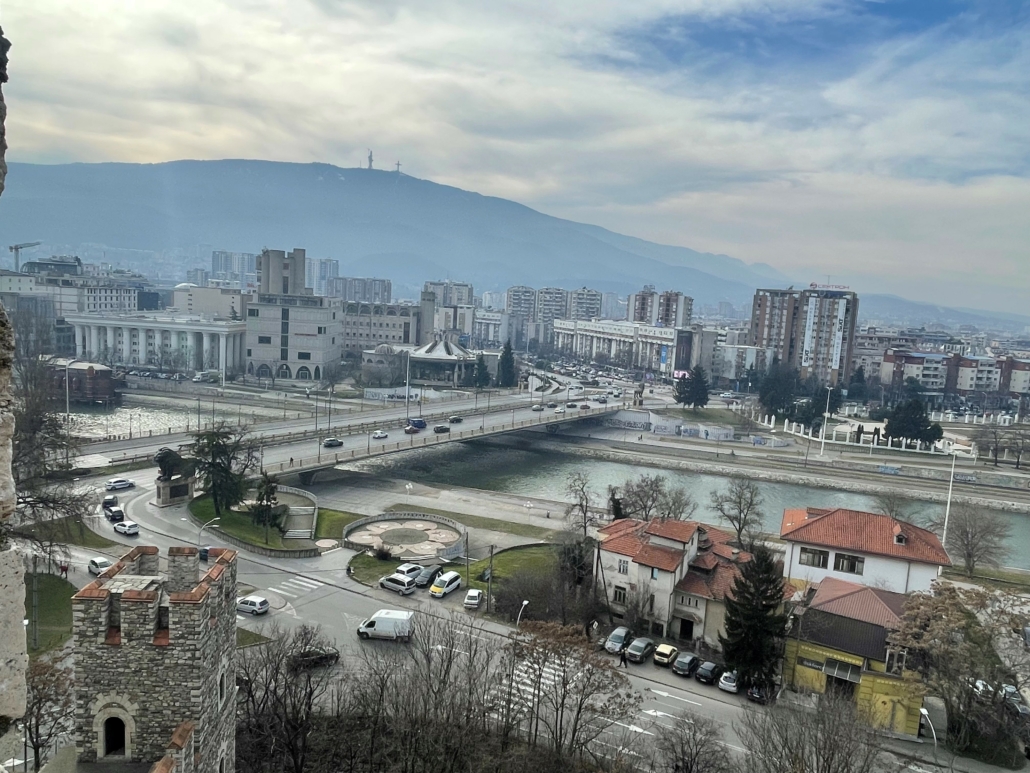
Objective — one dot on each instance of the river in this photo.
(543, 474)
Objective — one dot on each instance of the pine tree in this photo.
(682, 392)
(754, 622)
(506, 374)
(697, 388)
(482, 372)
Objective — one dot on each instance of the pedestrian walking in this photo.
(623, 662)
(291, 461)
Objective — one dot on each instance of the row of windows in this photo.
(842, 562)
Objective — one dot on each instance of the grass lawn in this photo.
(705, 415)
(992, 578)
(238, 525)
(331, 523)
(480, 522)
(368, 569)
(67, 531)
(55, 611)
(245, 638)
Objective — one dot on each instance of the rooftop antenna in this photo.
(398, 168)
(370, 158)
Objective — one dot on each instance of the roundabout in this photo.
(406, 535)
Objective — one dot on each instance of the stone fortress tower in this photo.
(155, 663)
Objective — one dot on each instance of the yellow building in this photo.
(838, 640)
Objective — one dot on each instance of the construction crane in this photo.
(17, 248)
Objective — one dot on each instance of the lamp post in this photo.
(67, 391)
(929, 721)
(199, 533)
(947, 506)
(525, 603)
(826, 418)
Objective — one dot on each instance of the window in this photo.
(842, 562)
(654, 573)
(253, 312)
(899, 539)
(623, 566)
(285, 328)
(303, 355)
(650, 604)
(286, 313)
(619, 595)
(264, 339)
(284, 354)
(248, 352)
(812, 557)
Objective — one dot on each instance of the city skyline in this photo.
(880, 143)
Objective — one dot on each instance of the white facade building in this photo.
(490, 329)
(660, 350)
(176, 340)
(293, 336)
(864, 548)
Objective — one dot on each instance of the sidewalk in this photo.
(923, 753)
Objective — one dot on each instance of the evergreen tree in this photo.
(857, 387)
(224, 457)
(506, 375)
(909, 420)
(697, 394)
(482, 372)
(776, 392)
(682, 392)
(754, 620)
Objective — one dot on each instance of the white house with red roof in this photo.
(677, 574)
(865, 548)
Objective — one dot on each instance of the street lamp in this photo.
(199, 533)
(947, 507)
(929, 721)
(826, 419)
(525, 603)
(67, 391)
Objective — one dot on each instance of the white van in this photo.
(387, 624)
(398, 583)
(444, 584)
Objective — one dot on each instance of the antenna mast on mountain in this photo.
(398, 168)
(370, 158)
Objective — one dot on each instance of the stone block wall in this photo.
(157, 675)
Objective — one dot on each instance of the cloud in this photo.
(884, 141)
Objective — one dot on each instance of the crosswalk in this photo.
(291, 589)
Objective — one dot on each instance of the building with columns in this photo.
(179, 341)
(663, 351)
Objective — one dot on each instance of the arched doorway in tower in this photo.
(114, 737)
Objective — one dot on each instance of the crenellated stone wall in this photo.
(13, 658)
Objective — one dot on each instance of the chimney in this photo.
(183, 569)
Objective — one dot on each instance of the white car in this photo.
(255, 605)
(559, 409)
(473, 599)
(537, 407)
(728, 682)
(379, 435)
(98, 565)
(119, 483)
(128, 528)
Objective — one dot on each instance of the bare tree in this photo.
(831, 739)
(577, 487)
(740, 506)
(642, 497)
(49, 708)
(676, 504)
(991, 439)
(1018, 441)
(691, 745)
(893, 503)
(976, 537)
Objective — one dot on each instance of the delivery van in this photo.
(388, 624)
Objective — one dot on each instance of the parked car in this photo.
(665, 654)
(537, 407)
(255, 605)
(685, 664)
(473, 599)
(409, 430)
(455, 419)
(708, 673)
(332, 442)
(441, 429)
(119, 483)
(98, 565)
(618, 640)
(314, 657)
(427, 575)
(128, 528)
(640, 650)
(444, 584)
(761, 694)
(109, 501)
(398, 583)
(115, 514)
(1018, 711)
(387, 624)
(379, 435)
(728, 682)
(409, 570)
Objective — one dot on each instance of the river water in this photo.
(97, 422)
(543, 474)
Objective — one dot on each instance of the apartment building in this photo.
(812, 330)
(551, 303)
(318, 272)
(872, 343)
(366, 325)
(450, 293)
(668, 309)
(234, 270)
(612, 306)
(493, 301)
(360, 289)
(585, 303)
(930, 369)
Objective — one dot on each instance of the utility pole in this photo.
(466, 557)
(490, 580)
(35, 603)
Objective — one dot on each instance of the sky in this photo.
(884, 145)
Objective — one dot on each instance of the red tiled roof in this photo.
(621, 526)
(714, 534)
(660, 557)
(625, 544)
(716, 585)
(680, 531)
(859, 602)
(730, 553)
(705, 561)
(862, 532)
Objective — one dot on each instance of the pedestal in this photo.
(176, 491)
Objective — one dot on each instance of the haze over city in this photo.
(883, 145)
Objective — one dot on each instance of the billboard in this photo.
(806, 352)
(838, 334)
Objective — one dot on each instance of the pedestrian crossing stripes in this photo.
(295, 587)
